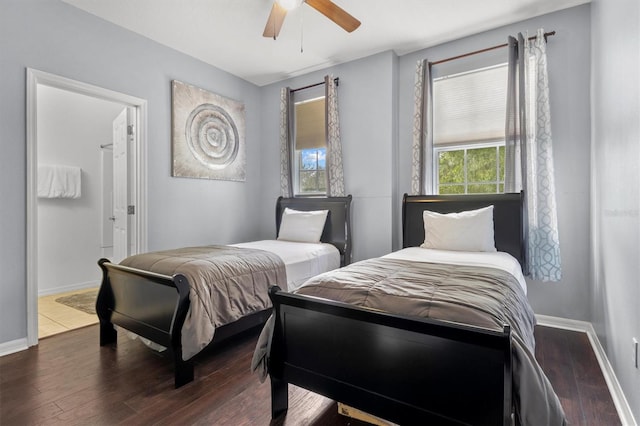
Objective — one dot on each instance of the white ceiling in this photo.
(228, 33)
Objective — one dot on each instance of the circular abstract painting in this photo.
(207, 134)
(212, 136)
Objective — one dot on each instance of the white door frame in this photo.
(35, 78)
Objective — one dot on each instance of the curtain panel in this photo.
(513, 156)
(335, 170)
(529, 153)
(422, 149)
(286, 134)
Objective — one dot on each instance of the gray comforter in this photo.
(474, 295)
(226, 283)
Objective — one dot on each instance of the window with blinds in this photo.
(468, 131)
(310, 145)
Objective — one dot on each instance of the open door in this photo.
(121, 134)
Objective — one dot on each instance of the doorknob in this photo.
(112, 218)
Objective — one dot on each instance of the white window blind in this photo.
(310, 127)
(470, 107)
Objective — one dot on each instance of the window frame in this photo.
(297, 169)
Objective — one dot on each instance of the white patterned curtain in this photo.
(335, 171)
(529, 152)
(286, 184)
(422, 152)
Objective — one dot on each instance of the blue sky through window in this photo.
(313, 159)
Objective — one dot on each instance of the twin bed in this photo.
(185, 299)
(422, 335)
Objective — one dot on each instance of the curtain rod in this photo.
(453, 58)
(336, 80)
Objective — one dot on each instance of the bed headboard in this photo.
(337, 228)
(508, 218)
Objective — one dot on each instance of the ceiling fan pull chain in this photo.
(301, 31)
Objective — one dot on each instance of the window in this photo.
(471, 169)
(310, 147)
(468, 131)
(311, 171)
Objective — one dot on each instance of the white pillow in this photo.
(470, 230)
(302, 226)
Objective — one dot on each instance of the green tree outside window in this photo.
(469, 170)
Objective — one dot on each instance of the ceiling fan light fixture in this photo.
(289, 4)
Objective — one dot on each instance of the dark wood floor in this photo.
(69, 379)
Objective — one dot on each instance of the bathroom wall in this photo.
(71, 128)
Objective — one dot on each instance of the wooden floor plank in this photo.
(69, 379)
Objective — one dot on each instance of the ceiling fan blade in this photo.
(275, 20)
(335, 13)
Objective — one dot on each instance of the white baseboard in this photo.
(67, 288)
(13, 346)
(620, 401)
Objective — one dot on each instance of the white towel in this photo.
(59, 181)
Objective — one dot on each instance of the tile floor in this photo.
(54, 317)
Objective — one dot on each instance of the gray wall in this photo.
(57, 38)
(615, 294)
(568, 65)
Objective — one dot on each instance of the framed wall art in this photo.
(208, 134)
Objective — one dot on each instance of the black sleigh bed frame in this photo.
(154, 306)
(406, 370)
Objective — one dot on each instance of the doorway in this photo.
(78, 217)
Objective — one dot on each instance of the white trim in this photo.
(34, 78)
(32, 210)
(619, 400)
(13, 346)
(68, 288)
(564, 323)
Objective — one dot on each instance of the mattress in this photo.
(302, 260)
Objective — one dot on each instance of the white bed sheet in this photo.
(301, 260)
(498, 260)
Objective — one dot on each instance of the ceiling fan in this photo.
(326, 7)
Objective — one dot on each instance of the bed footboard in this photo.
(150, 305)
(402, 369)
(155, 306)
